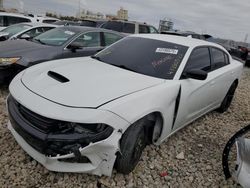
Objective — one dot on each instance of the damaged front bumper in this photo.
(67, 150)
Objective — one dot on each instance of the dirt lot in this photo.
(201, 142)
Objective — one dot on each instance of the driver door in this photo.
(197, 96)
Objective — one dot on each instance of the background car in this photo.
(92, 23)
(7, 19)
(129, 27)
(24, 31)
(58, 43)
(94, 113)
(185, 34)
(66, 23)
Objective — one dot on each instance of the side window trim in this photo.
(208, 47)
(226, 58)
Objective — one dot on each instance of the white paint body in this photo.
(118, 98)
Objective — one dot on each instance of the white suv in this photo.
(7, 19)
(129, 27)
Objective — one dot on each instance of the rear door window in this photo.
(220, 58)
(110, 38)
(115, 26)
(128, 28)
(144, 29)
(14, 20)
(199, 59)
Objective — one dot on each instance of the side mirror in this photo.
(25, 36)
(74, 46)
(195, 74)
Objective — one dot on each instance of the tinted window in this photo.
(88, 23)
(89, 40)
(14, 20)
(219, 58)
(115, 26)
(199, 59)
(128, 28)
(1, 21)
(146, 56)
(49, 21)
(143, 29)
(110, 38)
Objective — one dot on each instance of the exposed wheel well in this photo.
(236, 82)
(153, 127)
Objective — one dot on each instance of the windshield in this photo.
(14, 29)
(146, 56)
(55, 37)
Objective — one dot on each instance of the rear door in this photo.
(90, 43)
(221, 73)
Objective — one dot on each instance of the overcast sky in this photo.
(225, 18)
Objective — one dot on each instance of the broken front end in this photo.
(64, 146)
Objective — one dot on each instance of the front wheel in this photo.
(228, 99)
(132, 144)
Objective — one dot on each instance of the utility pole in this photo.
(1, 4)
(246, 36)
(79, 5)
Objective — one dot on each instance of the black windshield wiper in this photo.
(38, 40)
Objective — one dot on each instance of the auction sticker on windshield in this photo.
(166, 51)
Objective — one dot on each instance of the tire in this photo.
(132, 144)
(228, 99)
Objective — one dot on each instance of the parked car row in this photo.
(58, 43)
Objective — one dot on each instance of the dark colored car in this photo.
(129, 27)
(92, 23)
(58, 43)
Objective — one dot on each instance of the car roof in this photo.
(36, 24)
(186, 41)
(14, 14)
(86, 29)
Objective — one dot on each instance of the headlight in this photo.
(9, 61)
(90, 128)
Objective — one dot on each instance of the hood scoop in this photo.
(58, 77)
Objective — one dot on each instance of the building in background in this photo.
(122, 14)
(1, 4)
(86, 14)
(166, 25)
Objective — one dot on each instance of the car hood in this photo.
(84, 82)
(22, 48)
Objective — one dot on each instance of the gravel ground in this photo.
(201, 143)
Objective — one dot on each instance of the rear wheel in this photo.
(228, 99)
(132, 144)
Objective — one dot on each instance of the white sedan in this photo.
(24, 31)
(94, 113)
